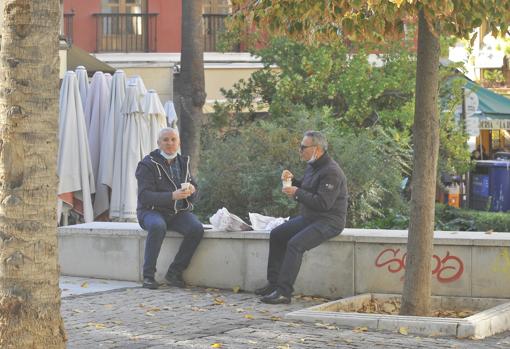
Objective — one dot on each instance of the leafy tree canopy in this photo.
(375, 20)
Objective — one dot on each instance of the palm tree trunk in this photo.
(29, 272)
(191, 83)
(417, 284)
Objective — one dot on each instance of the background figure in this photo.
(166, 191)
(322, 197)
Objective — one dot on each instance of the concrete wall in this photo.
(465, 264)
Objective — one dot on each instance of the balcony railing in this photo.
(125, 32)
(214, 25)
(68, 27)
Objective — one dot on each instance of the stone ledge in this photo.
(468, 264)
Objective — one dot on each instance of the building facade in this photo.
(137, 25)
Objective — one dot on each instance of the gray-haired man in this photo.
(322, 197)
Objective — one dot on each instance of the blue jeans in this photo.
(156, 224)
(287, 244)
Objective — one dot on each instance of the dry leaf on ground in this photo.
(360, 329)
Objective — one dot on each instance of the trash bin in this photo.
(490, 186)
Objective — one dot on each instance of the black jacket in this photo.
(322, 192)
(155, 185)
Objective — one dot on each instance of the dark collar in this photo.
(321, 161)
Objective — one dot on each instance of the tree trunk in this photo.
(29, 84)
(417, 285)
(191, 82)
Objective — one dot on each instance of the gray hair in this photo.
(317, 138)
(167, 129)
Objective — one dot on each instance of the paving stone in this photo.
(197, 318)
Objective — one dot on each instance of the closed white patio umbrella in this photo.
(83, 84)
(171, 114)
(154, 119)
(128, 152)
(96, 112)
(74, 167)
(112, 127)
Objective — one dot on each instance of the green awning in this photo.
(491, 105)
(77, 56)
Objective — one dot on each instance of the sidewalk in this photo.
(123, 316)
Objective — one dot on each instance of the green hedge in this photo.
(450, 218)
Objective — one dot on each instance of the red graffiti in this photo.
(447, 269)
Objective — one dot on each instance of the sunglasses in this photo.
(303, 147)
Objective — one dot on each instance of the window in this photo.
(125, 26)
(214, 14)
(124, 6)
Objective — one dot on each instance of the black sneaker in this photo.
(276, 298)
(264, 291)
(174, 279)
(150, 283)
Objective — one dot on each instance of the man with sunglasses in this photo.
(322, 197)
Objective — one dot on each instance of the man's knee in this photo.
(196, 232)
(157, 227)
(277, 233)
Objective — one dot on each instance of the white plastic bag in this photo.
(260, 222)
(225, 221)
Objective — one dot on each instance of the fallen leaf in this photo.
(360, 329)
(149, 313)
(216, 345)
(78, 311)
(98, 326)
(198, 309)
(240, 310)
(153, 310)
(275, 318)
(85, 284)
(252, 342)
(108, 306)
(218, 301)
(328, 326)
(248, 316)
(403, 330)
(236, 289)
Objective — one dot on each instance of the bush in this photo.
(247, 164)
(450, 218)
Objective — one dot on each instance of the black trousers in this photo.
(287, 244)
(156, 224)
